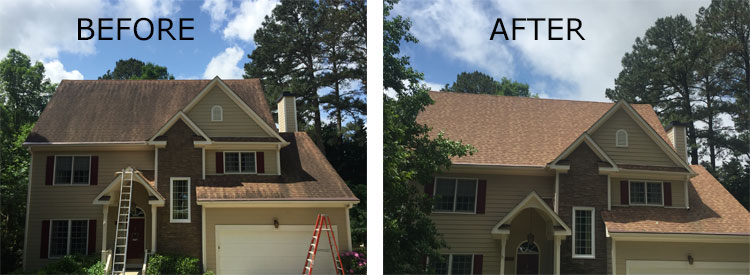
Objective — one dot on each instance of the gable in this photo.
(641, 149)
(235, 122)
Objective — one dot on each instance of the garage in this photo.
(264, 249)
(683, 267)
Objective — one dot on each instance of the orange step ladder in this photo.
(323, 224)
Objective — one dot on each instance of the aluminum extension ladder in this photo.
(123, 223)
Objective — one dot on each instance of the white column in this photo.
(614, 258)
(558, 241)
(503, 240)
(105, 212)
(203, 237)
(153, 228)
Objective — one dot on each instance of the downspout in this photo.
(348, 225)
(28, 206)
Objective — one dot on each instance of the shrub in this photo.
(172, 264)
(74, 264)
(354, 262)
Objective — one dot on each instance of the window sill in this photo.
(584, 257)
(452, 212)
(179, 221)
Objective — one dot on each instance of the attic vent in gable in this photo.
(621, 138)
(217, 113)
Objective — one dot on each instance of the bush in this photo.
(172, 264)
(354, 262)
(75, 264)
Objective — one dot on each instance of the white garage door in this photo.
(683, 267)
(263, 249)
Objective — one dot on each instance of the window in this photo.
(239, 162)
(621, 137)
(179, 199)
(583, 232)
(217, 113)
(72, 170)
(455, 195)
(454, 264)
(68, 237)
(646, 193)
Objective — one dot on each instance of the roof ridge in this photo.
(149, 80)
(529, 98)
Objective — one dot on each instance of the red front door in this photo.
(527, 264)
(136, 238)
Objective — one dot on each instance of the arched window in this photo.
(621, 138)
(137, 212)
(528, 248)
(217, 113)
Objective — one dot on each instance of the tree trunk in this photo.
(711, 136)
(317, 124)
(692, 138)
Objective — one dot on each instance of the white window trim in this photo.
(70, 227)
(450, 261)
(255, 156)
(617, 134)
(455, 193)
(171, 200)
(221, 112)
(72, 171)
(593, 233)
(645, 193)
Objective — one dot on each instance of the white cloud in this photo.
(249, 19)
(225, 64)
(55, 71)
(42, 29)
(433, 86)
(217, 10)
(579, 69)
(145, 8)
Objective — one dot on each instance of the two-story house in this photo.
(190, 167)
(559, 186)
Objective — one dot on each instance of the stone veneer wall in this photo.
(583, 186)
(179, 158)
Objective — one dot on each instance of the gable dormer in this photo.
(219, 116)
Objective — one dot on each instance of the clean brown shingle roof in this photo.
(516, 130)
(127, 110)
(712, 211)
(306, 175)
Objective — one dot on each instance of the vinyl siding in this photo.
(470, 233)
(270, 158)
(673, 251)
(73, 202)
(641, 150)
(678, 191)
(680, 143)
(236, 123)
(286, 114)
(265, 216)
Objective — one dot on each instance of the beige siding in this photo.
(641, 150)
(287, 114)
(470, 233)
(672, 251)
(270, 158)
(678, 191)
(678, 137)
(265, 216)
(236, 123)
(72, 202)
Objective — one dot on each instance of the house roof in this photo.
(127, 110)
(712, 211)
(517, 131)
(306, 175)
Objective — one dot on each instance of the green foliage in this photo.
(23, 94)
(734, 174)
(135, 69)
(172, 264)
(354, 262)
(75, 264)
(410, 156)
(481, 83)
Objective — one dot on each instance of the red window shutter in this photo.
(260, 163)
(481, 196)
(478, 264)
(219, 162)
(92, 237)
(94, 173)
(667, 194)
(50, 170)
(429, 188)
(44, 249)
(624, 193)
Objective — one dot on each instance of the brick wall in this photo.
(179, 159)
(583, 186)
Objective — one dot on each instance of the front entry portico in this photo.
(530, 236)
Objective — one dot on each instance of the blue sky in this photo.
(47, 32)
(454, 37)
